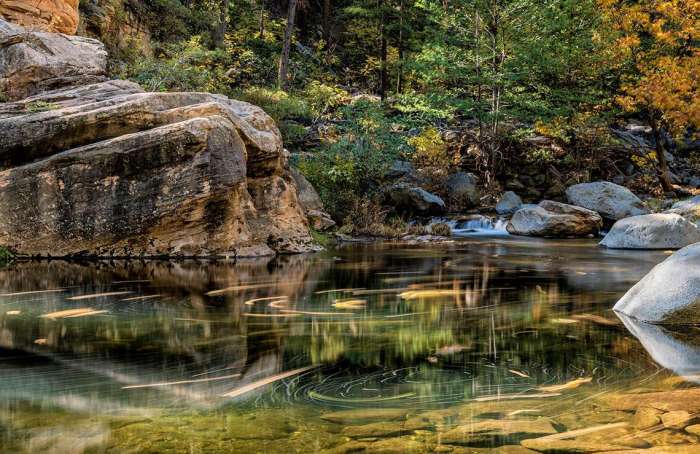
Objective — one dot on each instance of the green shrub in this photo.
(5, 256)
(440, 229)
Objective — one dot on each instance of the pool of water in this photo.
(479, 345)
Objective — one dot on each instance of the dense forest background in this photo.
(527, 95)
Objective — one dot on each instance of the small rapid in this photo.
(476, 225)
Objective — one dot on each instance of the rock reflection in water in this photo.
(480, 343)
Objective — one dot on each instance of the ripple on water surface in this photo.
(463, 347)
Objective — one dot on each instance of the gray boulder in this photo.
(612, 201)
(33, 62)
(670, 293)
(400, 169)
(412, 199)
(311, 202)
(462, 190)
(554, 219)
(509, 203)
(652, 231)
(689, 209)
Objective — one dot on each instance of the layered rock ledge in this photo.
(106, 169)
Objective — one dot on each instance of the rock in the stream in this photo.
(497, 431)
(412, 199)
(509, 203)
(554, 219)
(34, 62)
(670, 293)
(652, 231)
(109, 170)
(311, 202)
(689, 209)
(59, 16)
(549, 446)
(610, 200)
(462, 191)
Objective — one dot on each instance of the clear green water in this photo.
(383, 348)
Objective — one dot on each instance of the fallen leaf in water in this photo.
(33, 292)
(432, 359)
(13, 312)
(141, 298)
(344, 290)
(236, 288)
(85, 314)
(514, 396)
(418, 294)
(350, 304)
(524, 410)
(450, 350)
(317, 396)
(41, 341)
(96, 295)
(595, 319)
(181, 382)
(573, 384)
(252, 302)
(518, 373)
(563, 321)
(68, 313)
(294, 311)
(266, 381)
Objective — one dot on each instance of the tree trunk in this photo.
(261, 20)
(221, 29)
(399, 71)
(382, 57)
(662, 168)
(327, 23)
(286, 45)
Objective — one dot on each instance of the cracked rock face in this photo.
(106, 169)
(59, 16)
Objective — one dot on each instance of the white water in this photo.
(479, 225)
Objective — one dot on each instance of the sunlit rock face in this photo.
(60, 16)
(106, 169)
(652, 231)
(555, 220)
(669, 294)
(35, 62)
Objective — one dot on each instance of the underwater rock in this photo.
(365, 414)
(384, 429)
(497, 431)
(669, 293)
(652, 231)
(677, 419)
(548, 446)
(646, 417)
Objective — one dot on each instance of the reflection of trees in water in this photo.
(487, 310)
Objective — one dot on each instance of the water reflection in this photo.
(156, 356)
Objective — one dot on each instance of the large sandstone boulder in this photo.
(610, 200)
(311, 202)
(509, 203)
(59, 16)
(412, 199)
(556, 220)
(689, 209)
(652, 231)
(35, 62)
(109, 170)
(462, 191)
(670, 293)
